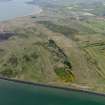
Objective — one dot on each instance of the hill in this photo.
(60, 46)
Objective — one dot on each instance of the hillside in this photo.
(60, 46)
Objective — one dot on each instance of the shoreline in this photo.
(31, 14)
(52, 86)
(35, 10)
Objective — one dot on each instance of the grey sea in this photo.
(10, 9)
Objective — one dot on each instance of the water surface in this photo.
(10, 9)
(12, 93)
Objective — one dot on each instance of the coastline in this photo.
(18, 17)
(52, 86)
(21, 9)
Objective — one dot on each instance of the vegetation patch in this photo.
(69, 32)
(13, 60)
(65, 75)
(59, 53)
(9, 72)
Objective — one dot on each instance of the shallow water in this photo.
(12, 93)
(16, 8)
